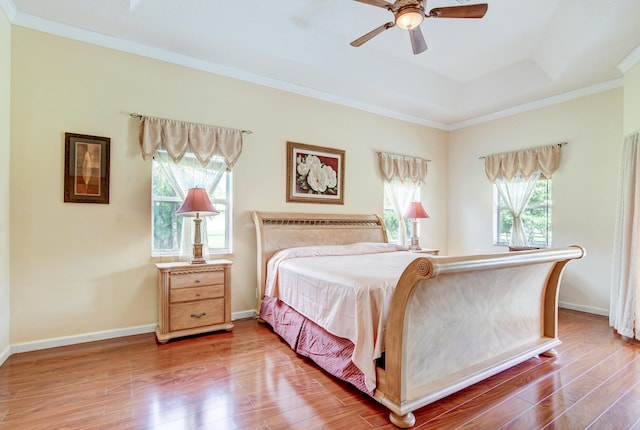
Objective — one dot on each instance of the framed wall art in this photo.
(314, 174)
(86, 168)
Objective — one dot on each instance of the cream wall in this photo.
(584, 187)
(5, 136)
(78, 269)
(86, 268)
(632, 99)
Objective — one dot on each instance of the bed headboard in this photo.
(280, 230)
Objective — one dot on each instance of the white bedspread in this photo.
(346, 289)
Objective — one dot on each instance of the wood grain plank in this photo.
(540, 380)
(623, 414)
(589, 407)
(250, 379)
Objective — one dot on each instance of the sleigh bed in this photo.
(410, 328)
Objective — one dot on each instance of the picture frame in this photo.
(86, 168)
(315, 174)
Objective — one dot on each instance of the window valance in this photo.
(403, 167)
(178, 138)
(544, 159)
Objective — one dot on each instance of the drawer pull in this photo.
(200, 315)
(197, 281)
(198, 294)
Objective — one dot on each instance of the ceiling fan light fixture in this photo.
(409, 18)
(409, 14)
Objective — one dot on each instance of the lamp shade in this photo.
(197, 202)
(415, 210)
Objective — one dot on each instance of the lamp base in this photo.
(197, 254)
(415, 240)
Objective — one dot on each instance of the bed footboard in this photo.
(455, 321)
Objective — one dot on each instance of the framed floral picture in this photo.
(314, 174)
(86, 168)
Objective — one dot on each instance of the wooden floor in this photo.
(249, 379)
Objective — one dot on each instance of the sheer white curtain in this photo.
(181, 177)
(168, 141)
(515, 175)
(402, 178)
(624, 313)
(517, 193)
(401, 194)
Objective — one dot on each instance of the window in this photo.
(536, 217)
(391, 218)
(402, 178)
(166, 226)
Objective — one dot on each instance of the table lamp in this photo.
(197, 203)
(415, 211)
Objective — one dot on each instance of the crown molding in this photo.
(75, 33)
(561, 98)
(9, 9)
(64, 30)
(630, 60)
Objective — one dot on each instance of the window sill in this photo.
(174, 255)
(523, 248)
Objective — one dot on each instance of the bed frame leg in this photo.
(550, 353)
(403, 421)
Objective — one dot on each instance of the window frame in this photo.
(218, 203)
(500, 205)
(388, 206)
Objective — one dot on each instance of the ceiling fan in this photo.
(409, 14)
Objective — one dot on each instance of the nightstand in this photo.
(193, 298)
(425, 251)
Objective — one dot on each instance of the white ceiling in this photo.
(521, 52)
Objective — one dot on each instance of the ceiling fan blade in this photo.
(470, 11)
(379, 3)
(417, 41)
(370, 35)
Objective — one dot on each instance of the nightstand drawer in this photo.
(196, 314)
(196, 293)
(193, 298)
(185, 280)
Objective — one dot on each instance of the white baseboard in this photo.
(243, 314)
(90, 337)
(81, 338)
(5, 354)
(150, 328)
(587, 309)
